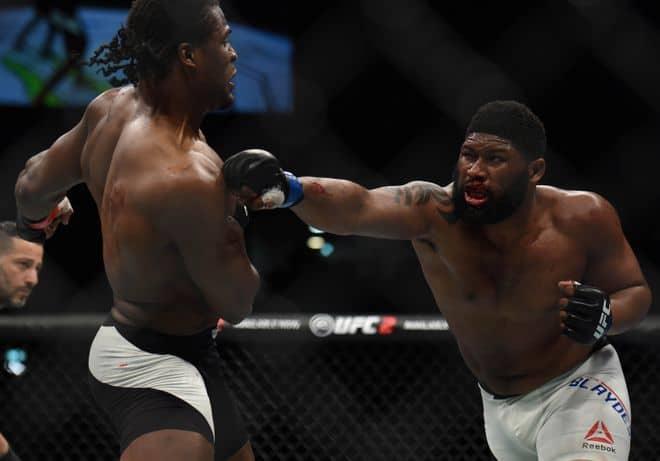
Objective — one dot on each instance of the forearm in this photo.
(332, 205)
(629, 307)
(243, 288)
(33, 201)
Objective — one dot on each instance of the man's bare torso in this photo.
(149, 280)
(501, 303)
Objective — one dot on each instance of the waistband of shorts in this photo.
(160, 343)
(494, 395)
(551, 382)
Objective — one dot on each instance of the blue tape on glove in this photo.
(296, 193)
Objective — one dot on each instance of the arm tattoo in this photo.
(421, 194)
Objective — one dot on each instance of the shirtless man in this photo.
(174, 254)
(530, 278)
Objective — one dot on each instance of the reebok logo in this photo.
(599, 433)
(599, 438)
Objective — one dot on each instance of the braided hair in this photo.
(144, 48)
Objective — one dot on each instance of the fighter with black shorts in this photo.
(173, 251)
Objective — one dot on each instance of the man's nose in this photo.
(477, 169)
(31, 278)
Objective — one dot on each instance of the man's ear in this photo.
(186, 55)
(536, 170)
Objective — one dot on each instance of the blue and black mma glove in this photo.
(589, 315)
(260, 171)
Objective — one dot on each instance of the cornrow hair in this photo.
(145, 46)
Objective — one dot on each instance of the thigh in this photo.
(137, 412)
(505, 431)
(169, 445)
(587, 426)
(231, 437)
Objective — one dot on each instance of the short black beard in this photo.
(5, 296)
(493, 211)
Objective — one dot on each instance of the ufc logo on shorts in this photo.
(602, 323)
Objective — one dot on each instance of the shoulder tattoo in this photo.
(422, 194)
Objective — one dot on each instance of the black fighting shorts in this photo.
(148, 381)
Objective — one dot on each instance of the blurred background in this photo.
(376, 91)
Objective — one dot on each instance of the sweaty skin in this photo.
(138, 205)
(498, 285)
(174, 256)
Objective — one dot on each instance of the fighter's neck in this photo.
(166, 100)
(509, 231)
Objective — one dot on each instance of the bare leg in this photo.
(169, 445)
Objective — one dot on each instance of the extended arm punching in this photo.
(335, 205)
(396, 212)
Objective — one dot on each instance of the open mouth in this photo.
(476, 196)
(230, 83)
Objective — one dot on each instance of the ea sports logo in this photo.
(322, 325)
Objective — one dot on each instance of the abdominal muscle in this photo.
(515, 357)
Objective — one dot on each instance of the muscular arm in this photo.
(398, 212)
(48, 175)
(193, 212)
(613, 267)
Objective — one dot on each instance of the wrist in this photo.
(27, 231)
(295, 192)
(43, 223)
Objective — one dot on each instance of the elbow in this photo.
(245, 296)
(648, 301)
(239, 314)
(235, 319)
(340, 231)
(25, 189)
(23, 193)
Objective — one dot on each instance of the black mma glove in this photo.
(260, 171)
(241, 215)
(26, 231)
(589, 317)
(39, 231)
